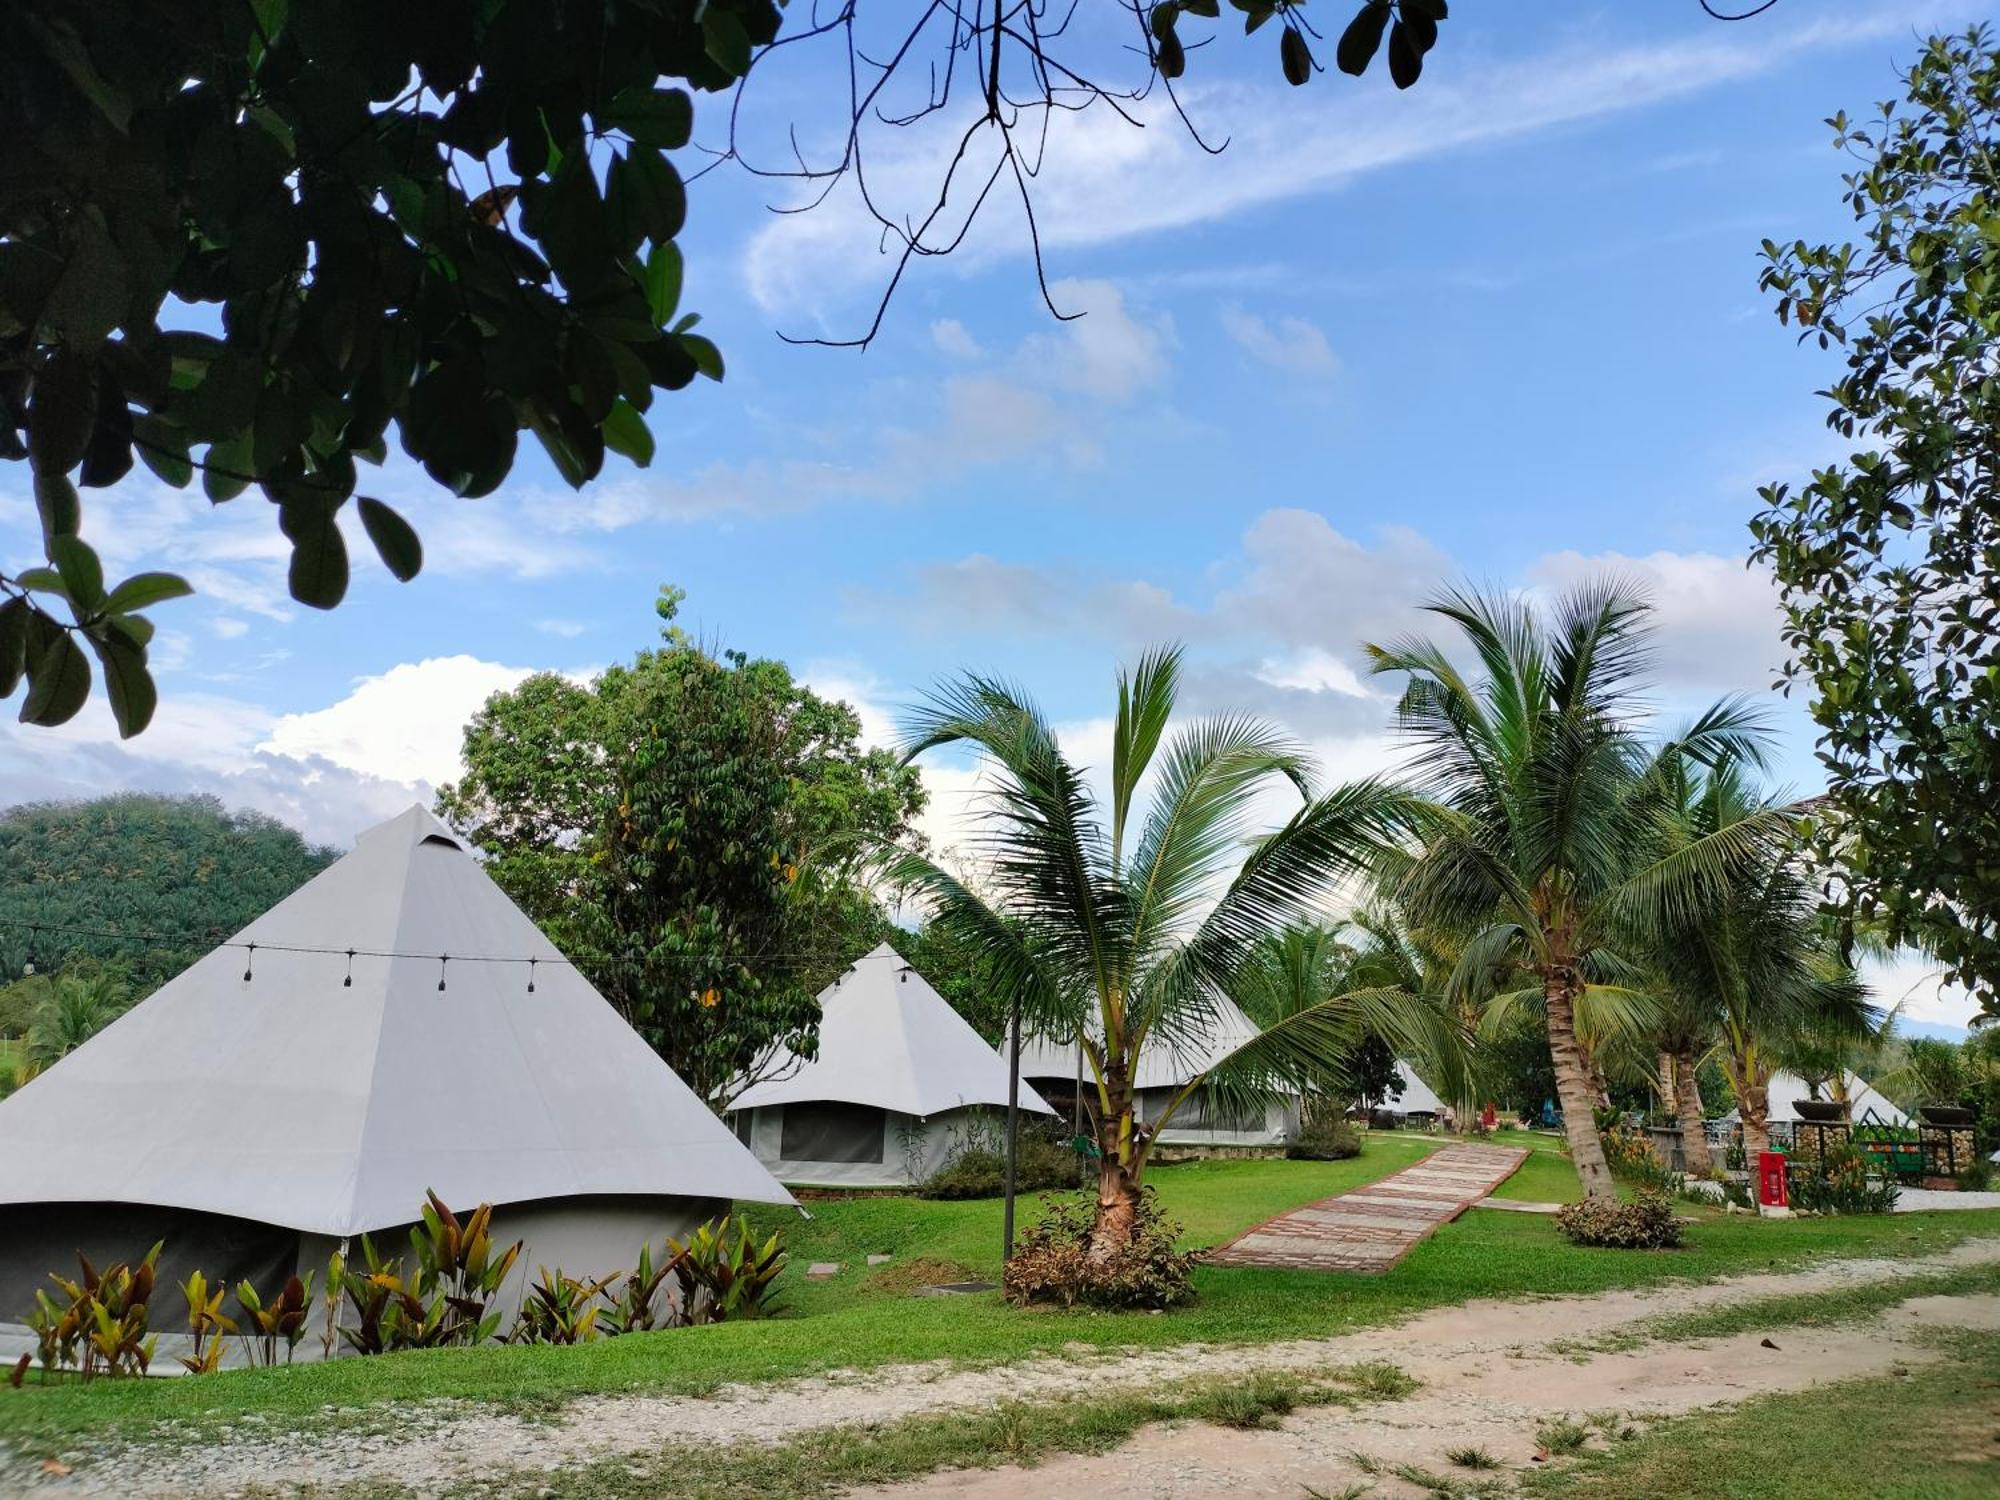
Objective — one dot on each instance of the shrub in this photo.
(1324, 1137)
(1632, 1158)
(1976, 1176)
(560, 1309)
(1839, 1183)
(1646, 1223)
(979, 1169)
(724, 1273)
(98, 1325)
(1053, 1265)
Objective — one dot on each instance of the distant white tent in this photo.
(1787, 1089)
(1164, 1069)
(284, 1094)
(1417, 1098)
(897, 1083)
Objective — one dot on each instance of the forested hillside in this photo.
(184, 871)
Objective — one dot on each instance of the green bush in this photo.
(1053, 1266)
(1646, 1223)
(1043, 1164)
(1840, 1183)
(1325, 1137)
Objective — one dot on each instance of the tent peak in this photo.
(415, 825)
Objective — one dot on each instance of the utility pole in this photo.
(1013, 1127)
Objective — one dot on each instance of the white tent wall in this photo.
(912, 1147)
(1271, 1125)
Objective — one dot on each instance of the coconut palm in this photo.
(77, 1007)
(1753, 959)
(1125, 929)
(1540, 852)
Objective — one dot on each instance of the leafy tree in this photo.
(1536, 854)
(689, 829)
(1122, 929)
(151, 883)
(1887, 561)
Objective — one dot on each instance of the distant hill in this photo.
(151, 882)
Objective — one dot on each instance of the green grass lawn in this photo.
(1932, 1433)
(854, 1320)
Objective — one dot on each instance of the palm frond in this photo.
(1146, 698)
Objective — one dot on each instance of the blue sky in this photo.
(1501, 328)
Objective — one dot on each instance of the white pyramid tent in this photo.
(1165, 1068)
(890, 1092)
(275, 1099)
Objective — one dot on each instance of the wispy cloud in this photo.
(1104, 181)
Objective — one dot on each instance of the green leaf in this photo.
(318, 573)
(1406, 54)
(726, 42)
(226, 470)
(1361, 39)
(58, 682)
(1296, 57)
(14, 617)
(127, 682)
(41, 580)
(82, 573)
(664, 269)
(63, 414)
(656, 117)
(625, 432)
(707, 358)
(144, 590)
(61, 42)
(163, 448)
(94, 293)
(646, 195)
(61, 509)
(396, 541)
(135, 628)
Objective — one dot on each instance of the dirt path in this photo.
(1471, 1361)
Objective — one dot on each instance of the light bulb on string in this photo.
(249, 962)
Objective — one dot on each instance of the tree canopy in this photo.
(149, 882)
(1887, 562)
(690, 830)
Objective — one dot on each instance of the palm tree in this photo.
(1124, 931)
(1754, 957)
(77, 1007)
(1396, 956)
(1539, 849)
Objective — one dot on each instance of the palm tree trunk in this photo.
(1755, 1105)
(1663, 1082)
(1117, 1209)
(1573, 1090)
(1696, 1158)
(1120, 1164)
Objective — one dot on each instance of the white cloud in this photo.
(405, 725)
(1914, 983)
(1102, 181)
(951, 336)
(1287, 343)
(1312, 669)
(228, 627)
(1716, 621)
(569, 630)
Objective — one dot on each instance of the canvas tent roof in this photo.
(1787, 1088)
(1160, 1065)
(889, 1040)
(292, 1098)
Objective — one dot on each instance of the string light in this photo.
(443, 959)
(592, 961)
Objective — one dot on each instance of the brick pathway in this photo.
(1374, 1227)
